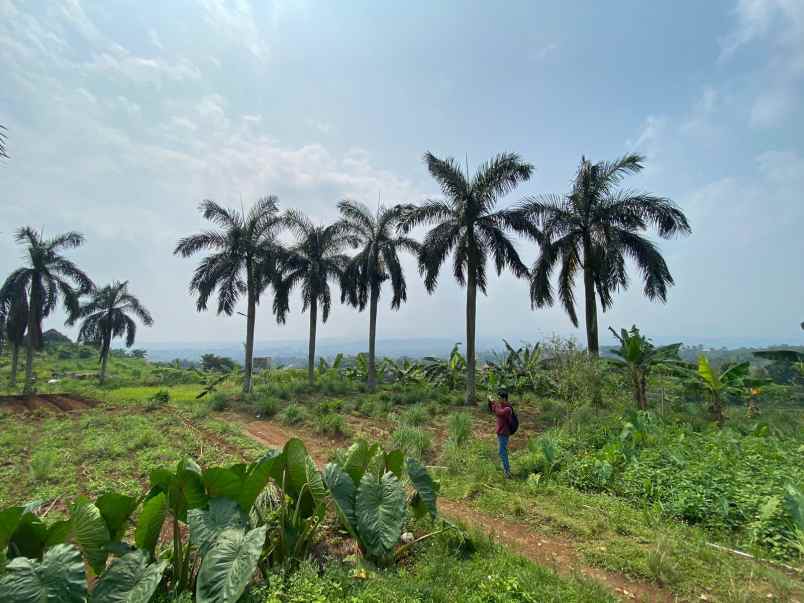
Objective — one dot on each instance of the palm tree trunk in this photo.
(591, 308)
(250, 320)
(104, 360)
(471, 311)
(28, 388)
(311, 348)
(15, 357)
(372, 361)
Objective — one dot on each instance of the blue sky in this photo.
(122, 116)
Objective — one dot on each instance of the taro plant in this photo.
(370, 500)
(222, 508)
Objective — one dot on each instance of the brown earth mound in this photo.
(46, 402)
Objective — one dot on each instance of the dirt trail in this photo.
(550, 551)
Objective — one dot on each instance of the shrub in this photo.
(268, 406)
(416, 415)
(412, 441)
(331, 425)
(158, 400)
(459, 428)
(218, 402)
(294, 414)
(43, 463)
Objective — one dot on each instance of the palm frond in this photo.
(447, 172)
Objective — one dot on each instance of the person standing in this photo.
(503, 411)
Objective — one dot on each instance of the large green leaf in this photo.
(257, 478)
(707, 374)
(424, 485)
(357, 458)
(394, 462)
(220, 481)
(380, 509)
(734, 375)
(90, 533)
(129, 579)
(149, 523)
(342, 489)
(302, 479)
(58, 533)
(207, 524)
(229, 566)
(29, 537)
(116, 509)
(9, 520)
(59, 578)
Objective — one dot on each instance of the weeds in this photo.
(413, 441)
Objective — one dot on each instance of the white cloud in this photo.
(541, 53)
(236, 19)
(319, 126)
(154, 38)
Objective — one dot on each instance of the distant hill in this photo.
(52, 336)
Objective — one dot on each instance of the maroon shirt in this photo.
(503, 411)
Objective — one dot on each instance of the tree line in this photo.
(590, 231)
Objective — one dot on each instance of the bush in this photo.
(43, 462)
(459, 428)
(294, 414)
(416, 415)
(218, 402)
(331, 425)
(158, 400)
(268, 407)
(413, 441)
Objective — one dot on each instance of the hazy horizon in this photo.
(121, 119)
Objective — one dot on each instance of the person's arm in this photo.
(502, 411)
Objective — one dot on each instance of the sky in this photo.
(122, 116)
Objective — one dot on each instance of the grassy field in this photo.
(578, 540)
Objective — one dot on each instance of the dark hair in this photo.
(503, 393)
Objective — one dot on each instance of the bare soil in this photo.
(551, 551)
(46, 402)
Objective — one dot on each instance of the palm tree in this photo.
(48, 277)
(378, 261)
(106, 316)
(14, 322)
(311, 263)
(594, 229)
(467, 225)
(243, 260)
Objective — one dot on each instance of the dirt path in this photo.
(46, 402)
(550, 551)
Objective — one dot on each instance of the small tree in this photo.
(106, 316)
(640, 356)
(719, 384)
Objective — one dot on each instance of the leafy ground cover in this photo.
(639, 496)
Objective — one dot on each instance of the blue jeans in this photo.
(502, 440)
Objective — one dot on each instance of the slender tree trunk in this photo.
(640, 390)
(15, 357)
(250, 320)
(471, 311)
(372, 360)
(311, 348)
(29, 353)
(104, 362)
(591, 308)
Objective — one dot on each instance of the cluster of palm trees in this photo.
(32, 292)
(592, 229)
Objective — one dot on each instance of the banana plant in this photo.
(450, 373)
(717, 384)
(369, 497)
(403, 372)
(640, 356)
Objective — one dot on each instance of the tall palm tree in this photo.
(375, 234)
(14, 322)
(311, 263)
(106, 316)
(594, 229)
(47, 278)
(244, 257)
(467, 225)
